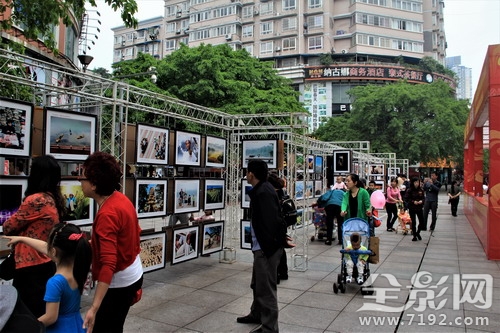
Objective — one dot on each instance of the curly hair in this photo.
(102, 170)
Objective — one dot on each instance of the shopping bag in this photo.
(374, 245)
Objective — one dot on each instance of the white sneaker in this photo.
(348, 279)
(360, 280)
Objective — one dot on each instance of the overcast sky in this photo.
(470, 27)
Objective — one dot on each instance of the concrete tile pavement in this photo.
(204, 295)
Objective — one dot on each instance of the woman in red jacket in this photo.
(116, 263)
(41, 209)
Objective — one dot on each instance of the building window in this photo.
(170, 45)
(266, 8)
(289, 43)
(289, 62)
(249, 49)
(266, 28)
(247, 12)
(314, 3)
(247, 31)
(289, 23)
(315, 43)
(171, 27)
(315, 21)
(289, 4)
(266, 48)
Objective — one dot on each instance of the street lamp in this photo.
(151, 71)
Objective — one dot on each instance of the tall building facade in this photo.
(464, 77)
(325, 47)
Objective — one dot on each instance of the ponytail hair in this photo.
(73, 247)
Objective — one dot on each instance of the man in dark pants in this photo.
(431, 189)
(268, 236)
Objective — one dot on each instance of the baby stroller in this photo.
(319, 221)
(350, 226)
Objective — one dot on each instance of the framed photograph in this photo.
(265, 150)
(187, 195)
(299, 190)
(150, 197)
(310, 163)
(246, 236)
(214, 194)
(185, 244)
(79, 208)
(213, 235)
(245, 198)
(380, 185)
(215, 152)
(355, 168)
(299, 162)
(153, 251)
(376, 170)
(318, 164)
(393, 172)
(69, 135)
(187, 147)
(16, 118)
(309, 192)
(12, 194)
(341, 161)
(151, 144)
(318, 188)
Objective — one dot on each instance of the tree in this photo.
(421, 123)
(230, 81)
(39, 17)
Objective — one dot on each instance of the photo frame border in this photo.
(29, 109)
(161, 234)
(176, 145)
(274, 161)
(375, 165)
(142, 160)
(336, 155)
(207, 142)
(195, 254)
(178, 181)
(141, 181)
(208, 225)
(81, 222)
(214, 181)
(318, 167)
(244, 203)
(244, 245)
(54, 112)
(15, 181)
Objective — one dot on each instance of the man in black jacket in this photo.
(268, 237)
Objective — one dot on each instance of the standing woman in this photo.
(454, 195)
(415, 197)
(356, 201)
(116, 264)
(42, 208)
(391, 203)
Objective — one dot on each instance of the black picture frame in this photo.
(341, 161)
(185, 155)
(215, 152)
(152, 144)
(16, 119)
(185, 242)
(153, 251)
(245, 235)
(215, 194)
(213, 237)
(266, 150)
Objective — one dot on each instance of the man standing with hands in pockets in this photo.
(268, 236)
(431, 189)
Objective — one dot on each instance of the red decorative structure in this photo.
(483, 210)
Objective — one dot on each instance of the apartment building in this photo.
(364, 40)
(464, 77)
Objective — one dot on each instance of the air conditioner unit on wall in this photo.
(229, 37)
(344, 51)
(255, 12)
(277, 49)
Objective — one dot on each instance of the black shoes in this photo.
(258, 329)
(389, 229)
(328, 242)
(418, 236)
(414, 239)
(249, 319)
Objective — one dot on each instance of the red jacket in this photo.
(115, 237)
(35, 218)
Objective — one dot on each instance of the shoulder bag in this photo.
(8, 267)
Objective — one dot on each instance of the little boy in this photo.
(362, 258)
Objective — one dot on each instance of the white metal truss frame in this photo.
(112, 101)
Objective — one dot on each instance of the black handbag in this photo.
(8, 267)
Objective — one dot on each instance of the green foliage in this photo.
(421, 123)
(431, 65)
(16, 68)
(38, 18)
(102, 72)
(227, 80)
